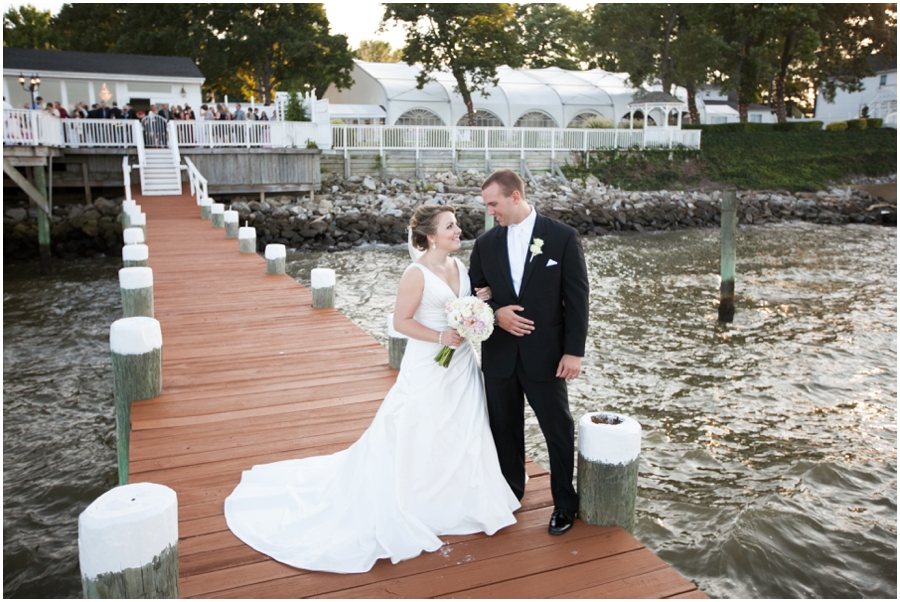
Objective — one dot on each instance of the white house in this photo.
(879, 96)
(72, 77)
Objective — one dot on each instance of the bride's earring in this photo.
(433, 245)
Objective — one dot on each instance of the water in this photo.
(769, 462)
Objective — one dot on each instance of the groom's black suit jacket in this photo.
(555, 297)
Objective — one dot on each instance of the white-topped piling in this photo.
(217, 213)
(127, 207)
(276, 255)
(396, 344)
(231, 223)
(609, 450)
(247, 238)
(135, 256)
(133, 236)
(136, 285)
(136, 346)
(206, 204)
(322, 283)
(136, 219)
(128, 543)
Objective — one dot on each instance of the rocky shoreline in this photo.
(366, 210)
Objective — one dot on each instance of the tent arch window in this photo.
(579, 120)
(483, 119)
(535, 119)
(419, 117)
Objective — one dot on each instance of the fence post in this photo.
(729, 226)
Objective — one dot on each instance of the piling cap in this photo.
(136, 252)
(217, 208)
(613, 444)
(246, 232)
(322, 277)
(126, 527)
(390, 329)
(136, 277)
(135, 336)
(133, 236)
(137, 218)
(206, 202)
(275, 251)
(231, 216)
(128, 204)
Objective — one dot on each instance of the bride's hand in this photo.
(451, 338)
(484, 293)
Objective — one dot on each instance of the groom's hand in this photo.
(513, 323)
(569, 367)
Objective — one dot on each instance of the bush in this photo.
(295, 110)
(638, 124)
(837, 126)
(798, 126)
(875, 123)
(599, 122)
(857, 124)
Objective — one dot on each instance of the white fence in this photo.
(345, 137)
(246, 134)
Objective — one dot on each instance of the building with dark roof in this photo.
(91, 77)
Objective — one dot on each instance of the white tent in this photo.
(550, 97)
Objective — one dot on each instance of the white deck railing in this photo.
(508, 139)
(246, 134)
(199, 185)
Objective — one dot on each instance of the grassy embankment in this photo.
(794, 161)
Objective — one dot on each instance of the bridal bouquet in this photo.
(472, 318)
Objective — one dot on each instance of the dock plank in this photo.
(252, 374)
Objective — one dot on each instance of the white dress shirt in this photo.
(518, 239)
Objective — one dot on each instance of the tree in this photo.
(30, 28)
(378, 51)
(552, 35)
(295, 110)
(467, 40)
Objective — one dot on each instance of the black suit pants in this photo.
(550, 402)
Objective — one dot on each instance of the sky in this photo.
(357, 19)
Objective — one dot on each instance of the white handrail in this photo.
(126, 175)
(199, 185)
(246, 134)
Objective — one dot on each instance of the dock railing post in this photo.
(609, 449)
(275, 258)
(217, 214)
(729, 226)
(396, 344)
(322, 284)
(135, 256)
(128, 543)
(136, 346)
(231, 223)
(136, 285)
(247, 239)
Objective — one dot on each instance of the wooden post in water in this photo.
(729, 227)
(275, 258)
(396, 344)
(133, 236)
(322, 282)
(40, 182)
(128, 543)
(206, 207)
(247, 239)
(136, 219)
(135, 256)
(217, 213)
(136, 346)
(609, 449)
(231, 224)
(136, 285)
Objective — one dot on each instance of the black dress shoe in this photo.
(560, 522)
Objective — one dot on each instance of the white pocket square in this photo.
(550, 263)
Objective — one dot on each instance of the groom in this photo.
(535, 268)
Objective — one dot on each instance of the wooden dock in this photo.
(252, 374)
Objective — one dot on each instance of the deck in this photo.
(252, 374)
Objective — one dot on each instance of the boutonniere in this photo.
(536, 245)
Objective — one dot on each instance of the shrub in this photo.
(875, 123)
(598, 122)
(798, 126)
(857, 124)
(295, 110)
(837, 126)
(638, 124)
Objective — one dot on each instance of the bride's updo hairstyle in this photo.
(424, 222)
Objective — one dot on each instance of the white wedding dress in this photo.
(426, 467)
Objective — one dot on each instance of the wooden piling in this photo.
(133, 236)
(136, 285)
(729, 228)
(128, 206)
(136, 219)
(206, 207)
(231, 224)
(396, 344)
(488, 220)
(247, 238)
(40, 182)
(135, 256)
(128, 543)
(322, 284)
(217, 214)
(136, 346)
(276, 255)
(609, 449)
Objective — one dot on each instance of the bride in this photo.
(426, 467)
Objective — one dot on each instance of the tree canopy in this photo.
(378, 51)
